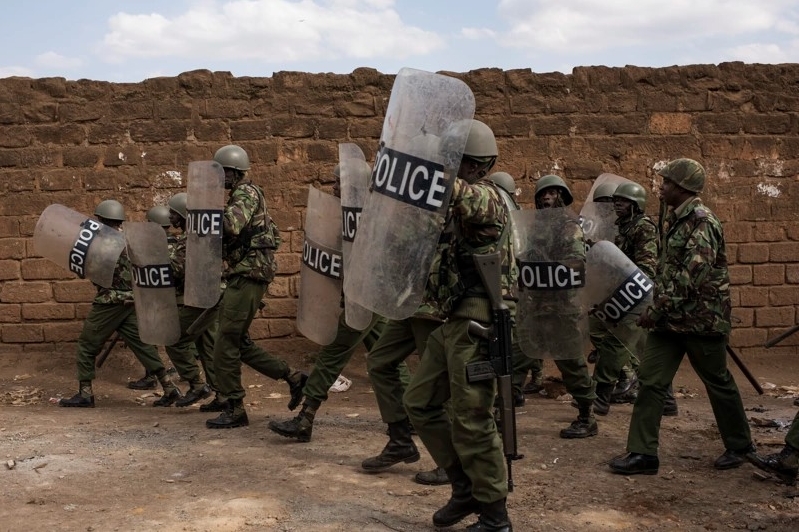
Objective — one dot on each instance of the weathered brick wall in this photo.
(77, 143)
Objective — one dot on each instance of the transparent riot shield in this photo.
(617, 292)
(424, 133)
(319, 304)
(78, 244)
(551, 318)
(354, 174)
(599, 218)
(153, 284)
(205, 204)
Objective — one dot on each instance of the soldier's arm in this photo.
(646, 249)
(480, 206)
(239, 210)
(177, 259)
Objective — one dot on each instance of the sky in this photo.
(132, 40)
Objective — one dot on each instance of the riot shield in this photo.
(205, 203)
(354, 174)
(153, 284)
(424, 133)
(78, 244)
(319, 304)
(551, 319)
(616, 292)
(598, 218)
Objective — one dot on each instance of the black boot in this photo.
(217, 405)
(300, 427)
(83, 399)
(233, 416)
(296, 380)
(148, 382)
(400, 448)
(461, 504)
(493, 518)
(434, 477)
(195, 393)
(582, 427)
(670, 405)
(784, 464)
(169, 398)
(602, 401)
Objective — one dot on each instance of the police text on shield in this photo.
(322, 260)
(550, 276)
(627, 295)
(409, 179)
(153, 276)
(350, 217)
(77, 255)
(204, 222)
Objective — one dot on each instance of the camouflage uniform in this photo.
(250, 239)
(691, 312)
(638, 240)
(469, 440)
(185, 353)
(113, 310)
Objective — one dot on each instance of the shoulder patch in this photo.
(700, 213)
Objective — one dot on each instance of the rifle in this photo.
(500, 363)
(777, 339)
(748, 374)
(107, 351)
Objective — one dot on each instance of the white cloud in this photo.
(7, 72)
(478, 33)
(571, 26)
(57, 61)
(269, 31)
(766, 52)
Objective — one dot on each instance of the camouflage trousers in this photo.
(465, 430)
(662, 357)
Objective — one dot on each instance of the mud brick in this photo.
(748, 337)
(753, 296)
(21, 333)
(10, 313)
(9, 270)
(740, 274)
(279, 328)
(784, 252)
(62, 332)
(753, 253)
(48, 311)
(25, 292)
(77, 291)
(769, 274)
(775, 316)
(280, 308)
(670, 123)
(783, 295)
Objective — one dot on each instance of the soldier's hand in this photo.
(645, 321)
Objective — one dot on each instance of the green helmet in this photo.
(504, 180)
(604, 191)
(480, 143)
(687, 173)
(554, 181)
(110, 210)
(232, 156)
(160, 215)
(633, 192)
(337, 171)
(177, 203)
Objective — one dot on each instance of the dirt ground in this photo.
(126, 466)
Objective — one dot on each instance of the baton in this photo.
(777, 339)
(107, 351)
(748, 374)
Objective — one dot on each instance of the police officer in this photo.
(690, 314)
(466, 443)
(551, 191)
(250, 239)
(401, 337)
(185, 353)
(328, 364)
(638, 239)
(112, 310)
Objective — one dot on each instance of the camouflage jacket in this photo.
(479, 222)
(638, 238)
(177, 260)
(692, 285)
(121, 290)
(250, 236)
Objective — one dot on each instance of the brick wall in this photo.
(79, 142)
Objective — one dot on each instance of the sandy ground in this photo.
(126, 466)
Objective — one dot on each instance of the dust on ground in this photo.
(126, 466)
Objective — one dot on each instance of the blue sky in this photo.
(129, 41)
